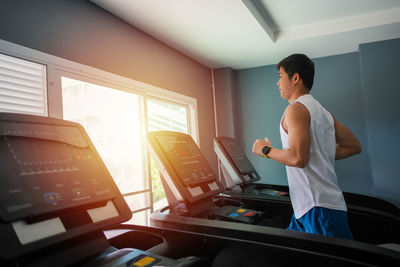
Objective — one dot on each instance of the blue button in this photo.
(51, 197)
(233, 215)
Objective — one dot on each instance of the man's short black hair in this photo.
(301, 64)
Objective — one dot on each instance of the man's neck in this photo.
(296, 94)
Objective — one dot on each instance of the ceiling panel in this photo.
(234, 33)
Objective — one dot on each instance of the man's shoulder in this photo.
(297, 113)
(296, 108)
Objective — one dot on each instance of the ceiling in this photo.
(248, 33)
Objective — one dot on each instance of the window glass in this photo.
(112, 119)
(138, 201)
(140, 218)
(164, 116)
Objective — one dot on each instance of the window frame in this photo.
(59, 67)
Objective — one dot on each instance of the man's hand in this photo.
(347, 144)
(259, 145)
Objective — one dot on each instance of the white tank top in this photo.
(316, 184)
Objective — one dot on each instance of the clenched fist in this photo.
(259, 145)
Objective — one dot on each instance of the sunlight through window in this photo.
(115, 123)
(164, 116)
(111, 118)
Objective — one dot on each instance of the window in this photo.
(114, 123)
(112, 119)
(168, 115)
(165, 116)
(115, 111)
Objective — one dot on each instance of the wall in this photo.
(338, 88)
(82, 32)
(258, 112)
(224, 109)
(359, 89)
(379, 72)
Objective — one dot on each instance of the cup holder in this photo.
(222, 202)
(136, 239)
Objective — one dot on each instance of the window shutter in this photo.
(23, 86)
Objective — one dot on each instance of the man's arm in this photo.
(297, 122)
(347, 144)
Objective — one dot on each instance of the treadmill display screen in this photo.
(186, 158)
(238, 157)
(48, 167)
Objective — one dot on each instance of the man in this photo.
(311, 141)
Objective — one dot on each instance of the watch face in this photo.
(266, 150)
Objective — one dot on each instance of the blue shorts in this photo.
(322, 221)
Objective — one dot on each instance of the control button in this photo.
(144, 261)
(251, 213)
(78, 192)
(51, 197)
(233, 215)
(241, 210)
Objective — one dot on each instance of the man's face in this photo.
(284, 84)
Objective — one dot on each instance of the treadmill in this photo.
(240, 178)
(57, 199)
(241, 182)
(238, 174)
(59, 206)
(197, 199)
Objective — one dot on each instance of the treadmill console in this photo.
(54, 185)
(190, 180)
(237, 168)
(237, 156)
(187, 174)
(47, 168)
(186, 158)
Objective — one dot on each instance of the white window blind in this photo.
(22, 86)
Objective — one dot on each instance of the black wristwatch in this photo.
(266, 150)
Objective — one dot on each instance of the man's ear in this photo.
(296, 78)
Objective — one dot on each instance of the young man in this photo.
(311, 141)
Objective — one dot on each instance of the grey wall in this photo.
(359, 89)
(80, 31)
(224, 108)
(380, 82)
(338, 88)
(258, 112)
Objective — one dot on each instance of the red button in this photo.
(251, 213)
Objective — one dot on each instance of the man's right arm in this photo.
(347, 144)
